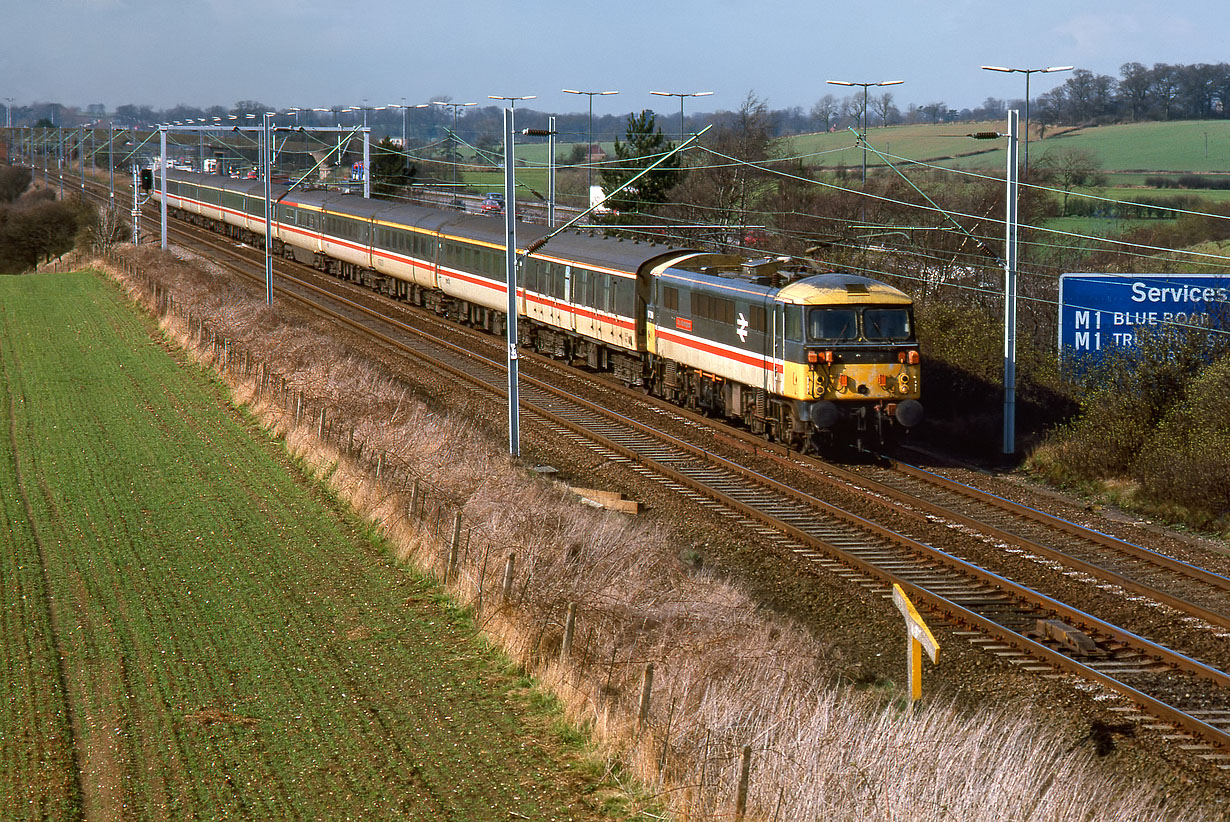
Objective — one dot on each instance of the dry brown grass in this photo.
(726, 674)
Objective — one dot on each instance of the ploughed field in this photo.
(189, 629)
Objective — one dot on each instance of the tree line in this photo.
(1163, 92)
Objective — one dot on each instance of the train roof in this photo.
(779, 277)
(572, 246)
(255, 188)
(841, 288)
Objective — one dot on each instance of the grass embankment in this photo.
(727, 673)
(191, 631)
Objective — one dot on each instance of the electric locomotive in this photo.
(801, 358)
(808, 359)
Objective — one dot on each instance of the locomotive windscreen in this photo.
(886, 324)
(832, 324)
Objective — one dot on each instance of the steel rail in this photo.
(1066, 526)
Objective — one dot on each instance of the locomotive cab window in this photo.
(832, 324)
(887, 324)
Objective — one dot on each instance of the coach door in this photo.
(569, 320)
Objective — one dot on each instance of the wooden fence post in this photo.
(508, 577)
(570, 624)
(646, 692)
(454, 549)
(745, 767)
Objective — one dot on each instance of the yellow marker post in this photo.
(918, 636)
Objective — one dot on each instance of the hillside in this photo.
(1175, 147)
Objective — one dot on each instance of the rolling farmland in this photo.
(1178, 146)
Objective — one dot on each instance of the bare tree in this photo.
(1069, 169)
(852, 108)
(825, 111)
(934, 111)
(884, 108)
(726, 193)
(1134, 89)
(107, 230)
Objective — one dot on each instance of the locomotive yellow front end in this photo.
(853, 363)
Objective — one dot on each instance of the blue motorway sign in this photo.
(1103, 311)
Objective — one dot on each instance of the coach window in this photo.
(625, 296)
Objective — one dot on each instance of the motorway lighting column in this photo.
(1027, 73)
(512, 107)
(453, 140)
(405, 108)
(863, 135)
(589, 146)
(681, 95)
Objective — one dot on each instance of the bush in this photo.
(1156, 418)
(13, 181)
(1205, 181)
(1184, 468)
(38, 227)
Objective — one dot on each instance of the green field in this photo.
(1128, 153)
(191, 630)
(1178, 146)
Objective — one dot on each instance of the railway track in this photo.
(1169, 691)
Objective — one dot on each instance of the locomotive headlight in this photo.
(903, 383)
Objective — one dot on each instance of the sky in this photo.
(324, 53)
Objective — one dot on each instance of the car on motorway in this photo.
(493, 203)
